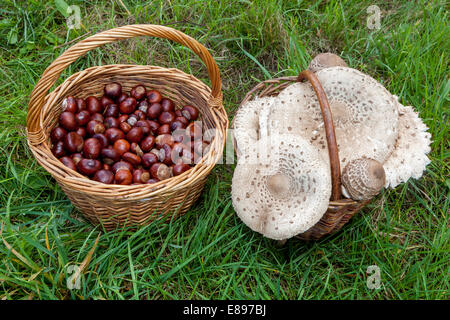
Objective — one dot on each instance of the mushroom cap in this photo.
(246, 123)
(286, 191)
(326, 60)
(409, 158)
(365, 114)
(363, 178)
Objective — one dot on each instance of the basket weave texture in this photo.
(340, 210)
(118, 205)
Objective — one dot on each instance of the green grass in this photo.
(209, 253)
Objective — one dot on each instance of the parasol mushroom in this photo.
(284, 193)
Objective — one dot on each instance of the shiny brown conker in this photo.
(112, 111)
(93, 105)
(164, 129)
(58, 149)
(68, 162)
(67, 121)
(148, 159)
(132, 158)
(81, 104)
(83, 117)
(135, 134)
(140, 176)
(147, 143)
(180, 168)
(110, 155)
(167, 105)
(92, 148)
(128, 105)
(122, 165)
(166, 117)
(70, 105)
(114, 134)
(73, 142)
(94, 127)
(81, 131)
(123, 177)
(160, 171)
(89, 166)
(57, 134)
(106, 101)
(113, 90)
(190, 112)
(154, 111)
(121, 146)
(104, 176)
(125, 127)
(111, 122)
(97, 117)
(138, 92)
(154, 96)
(102, 139)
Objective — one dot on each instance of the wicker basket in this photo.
(340, 210)
(117, 205)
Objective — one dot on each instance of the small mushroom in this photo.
(326, 60)
(363, 178)
(409, 158)
(281, 186)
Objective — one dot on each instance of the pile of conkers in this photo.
(134, 138)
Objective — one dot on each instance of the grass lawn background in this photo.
(208, 253)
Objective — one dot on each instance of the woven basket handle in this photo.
(329, 131)
(52, 73)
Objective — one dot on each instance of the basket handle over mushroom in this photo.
(329, 130)
(52, 73)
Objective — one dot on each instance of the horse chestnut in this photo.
(83, 117)
(154, 96)
(58, 149)
(111, 122)
(92, 148)
(93, 105)
(73, 142)
(190, 112)
(114, 134)
(128, 105)
(57, 134)
(113, 90)
(180, 168)
(122, 165)
(132, 158)
(167, 105)
(67, 121)
(148, 159)
(123, 177)
(160, 171)
(138, 92)
(154, 110)
(70, 105)
(140, 176)
(89, 166)
(104, 176)
(94, 127)
(121, 146)
(68, 162)
(166, 117)
(135, 134)
(112, 111)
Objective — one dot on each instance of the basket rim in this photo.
(44, 156)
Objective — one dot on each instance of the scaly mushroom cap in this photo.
(246, 122)
(284, 192)
(409, 158)
(326, 60)
(363, 178)
(365, 114)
